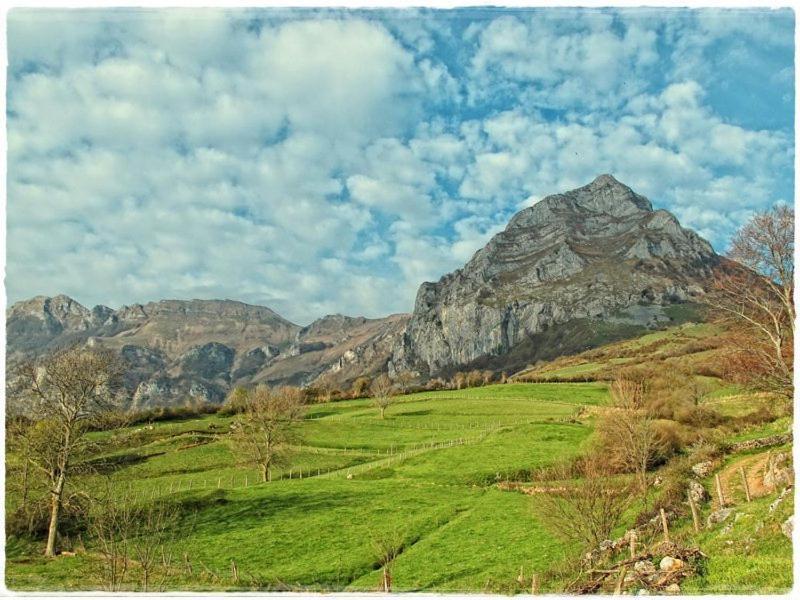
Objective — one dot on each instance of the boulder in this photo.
(777, 502)
(718, 516)
(787, 527)
(697, 491)
(669, 563)
(672, 589)
(703, 469)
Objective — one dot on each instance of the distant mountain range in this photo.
(571, 271)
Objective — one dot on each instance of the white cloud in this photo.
(321, 162)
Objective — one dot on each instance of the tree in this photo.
(131, 536)
(382, 389)
(361, 387)
(70, 389)
(758, 300)
(404, 380)
(629, 440)
(265, 429)
(474, 378)
(583, 512)
(236, 400)
(327, 385)
(459, 380)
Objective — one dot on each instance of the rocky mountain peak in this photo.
(587, 253)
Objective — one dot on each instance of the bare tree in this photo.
(583, 510)
(387, 547)
(327, 385)
(474, 378)
(264, 431)
(361, 387)
(459, 380)
(111, 521)
(404, 380)
(152, 541)
(382, 389)
(71, 389)
(629, 440)
(133, 538)
(759, 300)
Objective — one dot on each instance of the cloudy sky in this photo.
(329, 161)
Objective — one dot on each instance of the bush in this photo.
(699, 417)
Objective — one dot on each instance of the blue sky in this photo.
(330, 161)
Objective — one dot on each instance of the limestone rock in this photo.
(787, 527)
(585, 254)
(669, 563)
(697, 491)
(777, 502)
(703, 469)
(672, 589)
(718, 516)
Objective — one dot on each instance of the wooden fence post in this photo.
(234, 571)
(620, 580)
(664, 525)
(695, 514)
(535, 584)
(633, 543)
(720, 496)
(744, 484)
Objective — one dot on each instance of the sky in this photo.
(330, 161)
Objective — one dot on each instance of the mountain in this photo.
(598, 257)
(199, 349)
(573, 271)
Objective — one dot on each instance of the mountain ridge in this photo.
(598, 253)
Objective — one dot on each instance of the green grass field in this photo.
(423, 476)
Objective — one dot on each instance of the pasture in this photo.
(424, 477)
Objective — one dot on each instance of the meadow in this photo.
(424, 477)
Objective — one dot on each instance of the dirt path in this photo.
(731, 479)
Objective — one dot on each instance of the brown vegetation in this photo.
(758, 302)
(67, 391)
(265, 429)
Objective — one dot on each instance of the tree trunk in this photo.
(55, 509)
(25, 486)
(264, 473)
(383, 410)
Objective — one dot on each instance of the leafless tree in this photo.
(404, 380)
(387, 547)
(474, 378)
(361, 387)
(583, 510)
(327, 385)
(264, 431)
(152, 542)
(70, 389)
(629, 440)
(382, 389)
(459, 380)
(133, 538)
(758, 300)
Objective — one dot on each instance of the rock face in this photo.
(197, 350)
(599, 253)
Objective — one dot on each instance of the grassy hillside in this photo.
(424, 475)
(431, 480)
(692, 346)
